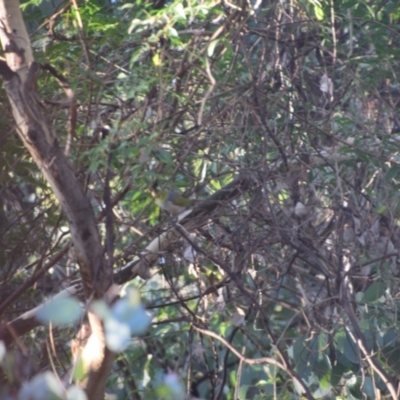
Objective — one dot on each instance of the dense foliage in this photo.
(288, 289)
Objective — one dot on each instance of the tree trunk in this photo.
(19, 74)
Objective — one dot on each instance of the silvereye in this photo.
(172, 202)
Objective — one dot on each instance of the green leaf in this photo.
(392, 358)
(165, 156)
(374, 292)
(79, 368)
(319, 12)
(127, 6)
(62, 310)
(243, 392)
(126, 318)
(172, 388)
(172, 32)
(381, 209)
(390, 338)
(337, 372)
(350, 350)
(368, 387)
(305, 354)
(393, 172)
(346, 349)
(324, 368)
(43, 386)
(179, 11)
(76, 393)
(156, 59)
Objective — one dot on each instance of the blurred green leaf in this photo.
(60, 310)
(374, 292)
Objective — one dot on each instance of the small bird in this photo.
(172, 202)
